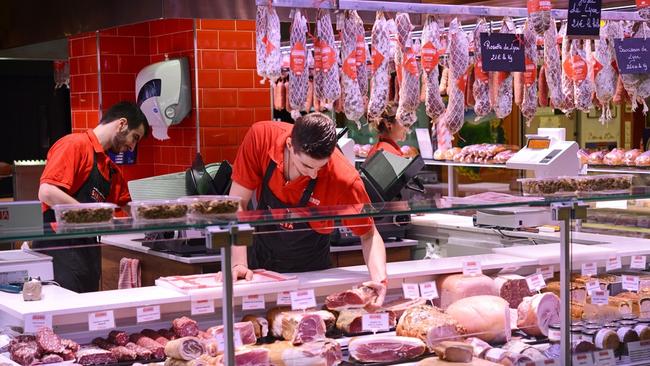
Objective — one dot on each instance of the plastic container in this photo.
(84, 214)
(158, 210)
(560, 186)
(211, 207)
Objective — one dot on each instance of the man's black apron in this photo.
(79, 269)
(299, 249)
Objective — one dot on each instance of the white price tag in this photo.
(613, 263)
(202, 306)
(253, 302)
(600, 297)
(631, 283)
(148, 313)
(547, 272)
(637, 262)
(589, 269)
(221, 343)
(605, 358)
(429, 290)
(543, 363)
(535, 282)
(374, 322)
(472, 268)
(583, 359)
(302, 299)
(284, 298)
(101, 320)
(639, 351)
(411, 290)
(36, 321)
(592, 285)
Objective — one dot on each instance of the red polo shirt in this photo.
(70, 161)
(338, 182)
(386, 144)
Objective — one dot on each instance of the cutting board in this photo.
(550, 253)
(435, 361)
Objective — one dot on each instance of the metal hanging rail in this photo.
(420, 8)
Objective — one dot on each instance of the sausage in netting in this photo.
(542, 88)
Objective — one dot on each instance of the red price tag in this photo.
(568, 68)
(530, 75)
(462, 82)
(350, 67)
(318, 58)
(579, 68)
(535, 6)
(478, 71)
(377, 59)
(429, 56)
(410, 64)
(360, 50)
(598, 67)
(297, 61)
(640, 4)
(328, 56)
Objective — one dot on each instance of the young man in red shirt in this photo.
(293, 166)
(78, 170)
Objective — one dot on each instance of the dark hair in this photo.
(387, 118)
(315, 135)
(134, 116)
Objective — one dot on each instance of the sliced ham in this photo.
(303, 328)
(428, 324)
(351, 299)
(275, 318)
(535, 313)
(513, 288)
(325, 352)
(381, 348)
(454, 287)
(486, 317)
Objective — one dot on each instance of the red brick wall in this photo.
(230, 95)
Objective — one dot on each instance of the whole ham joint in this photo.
(486, 317)
(537, 312)
(351, 299)
(429, 324)
(380, 348)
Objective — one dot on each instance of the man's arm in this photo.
(52, 195)
(374, 253)
(239, 255)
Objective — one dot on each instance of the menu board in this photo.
(502, 52)
(584, 18)
(632, 55)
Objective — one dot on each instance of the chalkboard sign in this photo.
(633, 55)
(584, 18)
(502, 52)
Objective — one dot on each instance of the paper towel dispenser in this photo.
(164, 94)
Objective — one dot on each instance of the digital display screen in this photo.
(538, 144)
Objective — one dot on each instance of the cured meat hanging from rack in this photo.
(298, 72)
(260, 34)
(361, 53)
(327, 87)
(380, 79)
(267, 43)
(454, 116)
(501, 83)
(529, 103)
(539, 14)
(604, 75)
(481, 87)
(643, 7)
(429, 56)
(353, 105)
(638, 85)
(553, 67)
(409, 84)
(568, 104)
(518, 76)
(583, 86)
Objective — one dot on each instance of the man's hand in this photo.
(380, 289)
(238, 271)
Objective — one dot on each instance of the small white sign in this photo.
(592, 285)
(543, 363)
(35, 322)
(605, 358)
(205, 306)
(411, 290)
(600, 297)
(424, 143)
(303, 299)
(613, 263)
(429, 290)
(148, 313)
(221, 343)
(547, 272)
(374, 322)
(638, 262)
(639, 351)
(284, 298)
(535, 282)
(253, 302)
(472, 268)
(631, 283)
(583, 359)
(101, 320)
(589, 269)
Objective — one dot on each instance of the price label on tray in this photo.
(543, 363)
(535, 282)
(101, 320)
(236, 340)
(472, 268)
(639, 351)
(592, 285)
(253, 302)
(547, 272)
(303, 299)
(605, 358)
(205, 306)
(429, 290)
(36, 321)
(631, 283)
(613, 263)
(148, 313)
(411, 290)
(284, 298)
(583, 359)
(600, 297)
(637, 262)
(374, 322)
(589, 269)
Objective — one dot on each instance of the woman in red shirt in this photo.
(390, 132)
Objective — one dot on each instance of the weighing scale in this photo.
(512, 217)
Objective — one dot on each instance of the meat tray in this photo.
(351, 362)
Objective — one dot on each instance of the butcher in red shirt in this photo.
(390, 132)
(298, 166)
(78, 170)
